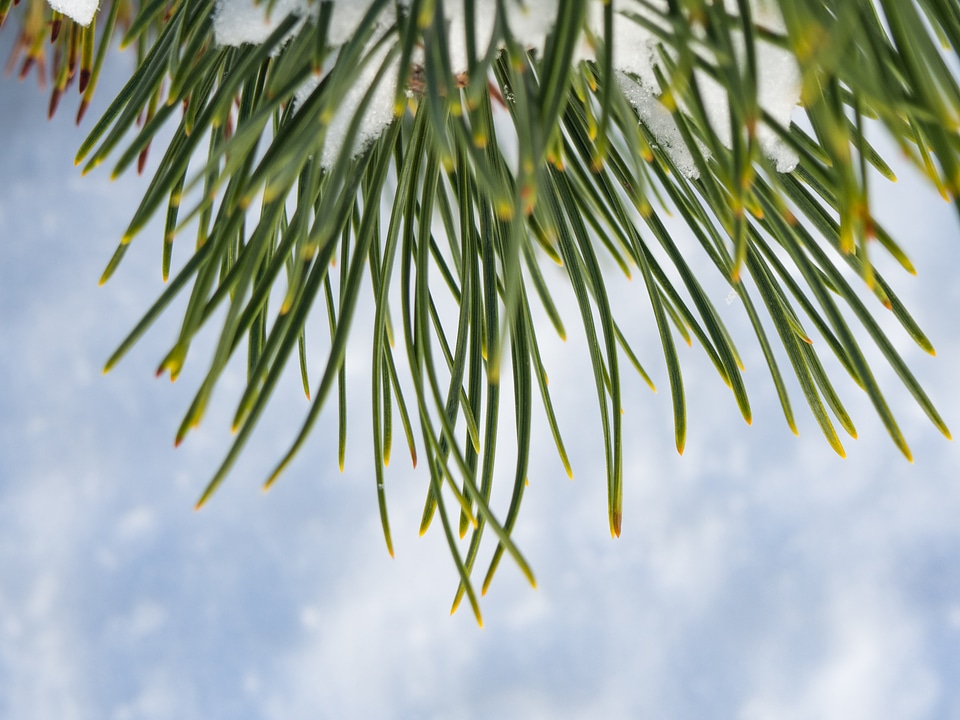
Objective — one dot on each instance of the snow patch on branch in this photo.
(529, 22)
(237, 22)
(658, 120)
(379, 112)
(80, 11)
(636, 54)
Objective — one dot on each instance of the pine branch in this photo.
(561, 129)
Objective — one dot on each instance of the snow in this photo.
(379, 112)
(246, 21)
(660, 122)
(80, 11)
(529, 21)
(635, 50)
(243, 21)
(236, 22)
(635, 54)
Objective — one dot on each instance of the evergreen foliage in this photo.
(527, 157)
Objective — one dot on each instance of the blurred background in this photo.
(758, 576)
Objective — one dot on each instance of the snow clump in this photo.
(635, 54)
(80, 11)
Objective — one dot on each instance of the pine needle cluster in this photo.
(530, 155)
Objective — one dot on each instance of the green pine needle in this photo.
(525, 157)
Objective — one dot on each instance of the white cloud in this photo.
(867, 662)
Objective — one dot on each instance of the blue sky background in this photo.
(758, 576)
